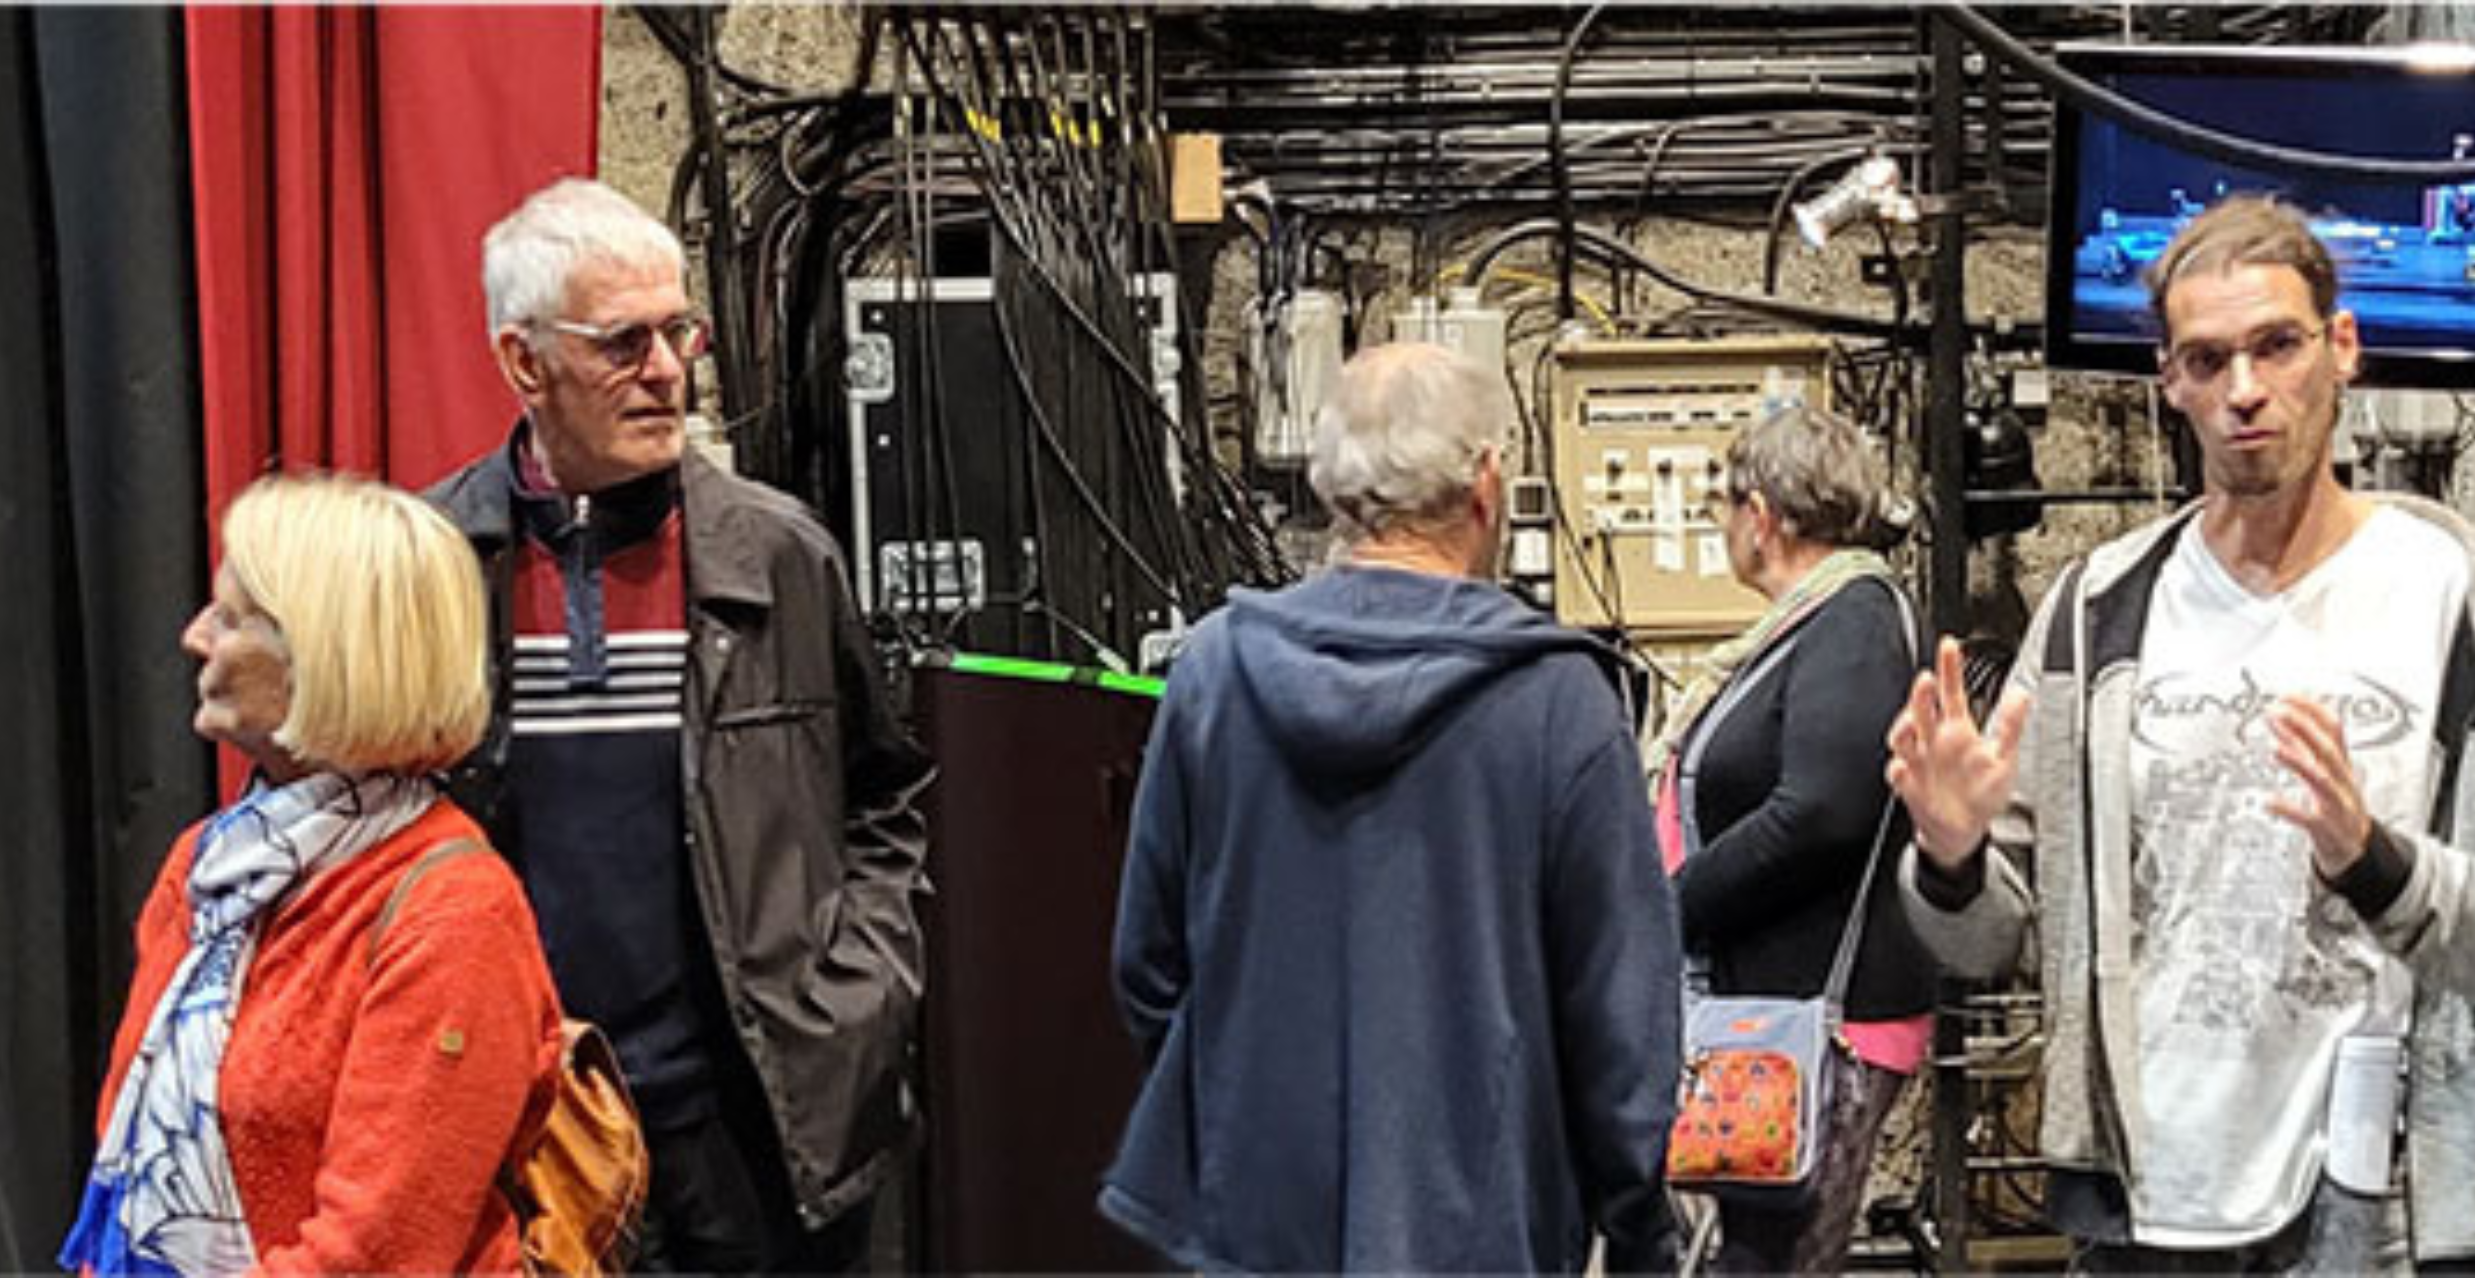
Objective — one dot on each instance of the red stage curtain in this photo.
(344, 164)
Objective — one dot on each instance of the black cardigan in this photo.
(1788, 792)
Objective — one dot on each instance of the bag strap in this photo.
(1852, 933)
(446, 851)
(508, 1184)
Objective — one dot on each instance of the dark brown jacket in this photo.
(803, 830)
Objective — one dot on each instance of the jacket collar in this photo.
(481, 498)
(2121, 576)
(2121, 582)
(725, 546)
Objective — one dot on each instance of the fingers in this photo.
(2010, 721)
(2338, 837)
(1952, 674)
(2310, 723)
(1918, 720)
(1912, 736)
(1907, 732)
(2311, 746)
(1907, 770)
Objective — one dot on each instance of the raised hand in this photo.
(2311, 743)
(1953, 777)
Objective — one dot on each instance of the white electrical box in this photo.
(1464, 323)
(1296, 360)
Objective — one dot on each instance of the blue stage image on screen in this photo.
(2406, 252)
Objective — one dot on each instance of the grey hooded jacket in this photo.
(2061, 886)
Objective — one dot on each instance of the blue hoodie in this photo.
(1395, 940)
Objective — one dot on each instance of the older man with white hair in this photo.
(694, 763)
(1393, 933)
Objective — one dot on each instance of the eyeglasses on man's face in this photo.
(2272, 349)
(626, 347)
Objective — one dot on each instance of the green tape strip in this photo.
(980, 663)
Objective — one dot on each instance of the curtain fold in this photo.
(35, 751)
(233, 240)
(101, 561)
(348, 161)
(477, 108)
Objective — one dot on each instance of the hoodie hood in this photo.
(1351, 668)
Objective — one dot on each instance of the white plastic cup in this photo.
(2363, 1112)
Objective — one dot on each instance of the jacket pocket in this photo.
(758, 716)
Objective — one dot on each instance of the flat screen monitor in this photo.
(2406, 252)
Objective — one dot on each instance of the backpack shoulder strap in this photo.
(430, 860)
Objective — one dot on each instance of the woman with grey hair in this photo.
(1770, 792)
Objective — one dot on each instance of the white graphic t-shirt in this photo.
(2248, 970)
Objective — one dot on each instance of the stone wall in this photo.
(2100, 432)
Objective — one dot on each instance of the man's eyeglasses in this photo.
(2274, 348)
(626, 347)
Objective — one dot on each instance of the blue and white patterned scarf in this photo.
(161, 1198)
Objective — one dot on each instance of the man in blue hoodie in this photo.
(1393, 934)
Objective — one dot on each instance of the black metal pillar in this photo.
(1946, 592)
(1946, 587)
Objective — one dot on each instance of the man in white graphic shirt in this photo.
(2225, 787)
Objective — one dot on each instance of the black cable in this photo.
(930, 505)
(1897, 378)
(730, 315)
(1247, 548)
(680, 41)
(1025, 227)
(1610, 248)
(2197, 139)
(1563, 168)
(919, 395)
(1103, 267)
(1081, 260)
(1046, 430)
(662, 23)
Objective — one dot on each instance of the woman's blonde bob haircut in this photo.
(380, 606)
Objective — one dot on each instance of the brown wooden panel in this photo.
(1030, 1072)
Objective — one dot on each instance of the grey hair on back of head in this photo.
(1818, 471)
(1399, 442)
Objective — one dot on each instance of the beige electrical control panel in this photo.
(1640, 431)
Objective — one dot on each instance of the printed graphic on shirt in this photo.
(2179, 705)
(2248, 970)
(2250, 938)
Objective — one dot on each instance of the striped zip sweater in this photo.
(599, 611)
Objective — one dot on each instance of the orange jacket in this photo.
(369, 1100)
